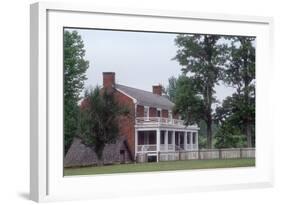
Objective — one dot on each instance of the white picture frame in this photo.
(46, 143)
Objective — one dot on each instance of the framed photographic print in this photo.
(129, 102)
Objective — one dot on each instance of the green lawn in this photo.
(161, 166)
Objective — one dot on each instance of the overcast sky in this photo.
(139, 59)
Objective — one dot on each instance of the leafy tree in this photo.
(240, 73)
(187, 102)
(234, 112)
(171, 89)
(75, 67)
(229, 136)
(99, 119)
(203, 58)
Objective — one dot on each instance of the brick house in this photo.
(152, 127)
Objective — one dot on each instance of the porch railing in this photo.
(147, 148)
(203, 154)
(165, 148)
(158, 120)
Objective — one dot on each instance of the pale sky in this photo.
(139, 59)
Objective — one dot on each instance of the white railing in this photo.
(171, 147)
(158, 120)
(147, 148)
(168, 147)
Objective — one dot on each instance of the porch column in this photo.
(185, 140)
(158, 142)
(197, 141)
(136, 143)
(173, 140)
(191, 140)
(166, 140)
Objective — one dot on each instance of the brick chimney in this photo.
(157, 89)
(108, 80)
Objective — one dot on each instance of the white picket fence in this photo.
(230, 153)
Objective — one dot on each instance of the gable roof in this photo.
(146, 98)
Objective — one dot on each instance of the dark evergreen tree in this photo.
(99, 119)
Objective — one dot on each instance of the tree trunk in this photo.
(209, 134)
(247, 121)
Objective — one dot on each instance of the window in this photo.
(146, 113)
(194, 137)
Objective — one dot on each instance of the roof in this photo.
(146, 98)
(79, 154)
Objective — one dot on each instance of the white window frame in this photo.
(146, 118)
(159, 109)
(170, 116)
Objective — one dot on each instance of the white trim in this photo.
(158, 135)
(159, 109)
(148, 113)
(38, 103)
(92, 8)
(134, 100)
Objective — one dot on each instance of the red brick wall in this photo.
(157, 89)
(127, 123)
(108, 80)
(165, 113)
(152, 112)
(140, 111)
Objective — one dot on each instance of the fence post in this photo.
(241, 153)
(220, 154)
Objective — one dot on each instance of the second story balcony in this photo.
(158, 121)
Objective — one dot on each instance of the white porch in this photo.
(153, 141)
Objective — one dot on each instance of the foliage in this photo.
(99, 119)
(171, 89)
(229, 136)
(187, 102)
(75, 67)
(203, 58)
(202, 134)
(239, 109)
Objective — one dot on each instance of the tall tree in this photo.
(99, 119)
(75, 67)
(171, 88)
(187, 101)
(240, 73)
(202, 57)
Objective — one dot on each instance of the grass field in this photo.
(161, 166)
